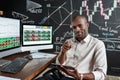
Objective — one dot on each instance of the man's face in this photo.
(80, 28)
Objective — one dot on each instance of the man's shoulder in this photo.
(98, 43)
(96, 40)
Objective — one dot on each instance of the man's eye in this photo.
(74, 27)
(79, 25)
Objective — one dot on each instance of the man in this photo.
(86, 54)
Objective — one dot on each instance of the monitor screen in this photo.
(9, 36)
(36, 37)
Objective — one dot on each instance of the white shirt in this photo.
(87, 56)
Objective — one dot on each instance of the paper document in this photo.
(42, 55)
(8, 78)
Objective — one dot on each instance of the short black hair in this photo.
(74, 17)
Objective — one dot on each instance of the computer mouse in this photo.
(29, 57)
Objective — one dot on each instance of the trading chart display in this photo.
(33, 34)
(9, 33)
(9, 42)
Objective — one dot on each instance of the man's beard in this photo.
(80, 36)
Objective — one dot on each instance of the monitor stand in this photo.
(47, 51)
(36, 52)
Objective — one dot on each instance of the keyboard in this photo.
(15, 66)
(4, 62)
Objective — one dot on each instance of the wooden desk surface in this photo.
(31, 69)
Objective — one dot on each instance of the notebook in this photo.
(8, 78)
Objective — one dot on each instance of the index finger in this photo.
(66, 42)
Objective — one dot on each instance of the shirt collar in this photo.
(87, 39)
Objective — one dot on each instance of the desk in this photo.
(31, 69)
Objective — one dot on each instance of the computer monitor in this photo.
(9, 36)
(36, 38)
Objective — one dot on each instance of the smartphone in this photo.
(69, 67)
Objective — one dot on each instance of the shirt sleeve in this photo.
(100, 62)
(57, 61)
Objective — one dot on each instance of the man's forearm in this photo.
(62, 58)
(86, 76)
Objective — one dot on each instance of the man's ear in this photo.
(87, 24)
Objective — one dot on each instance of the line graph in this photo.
(102, 10)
